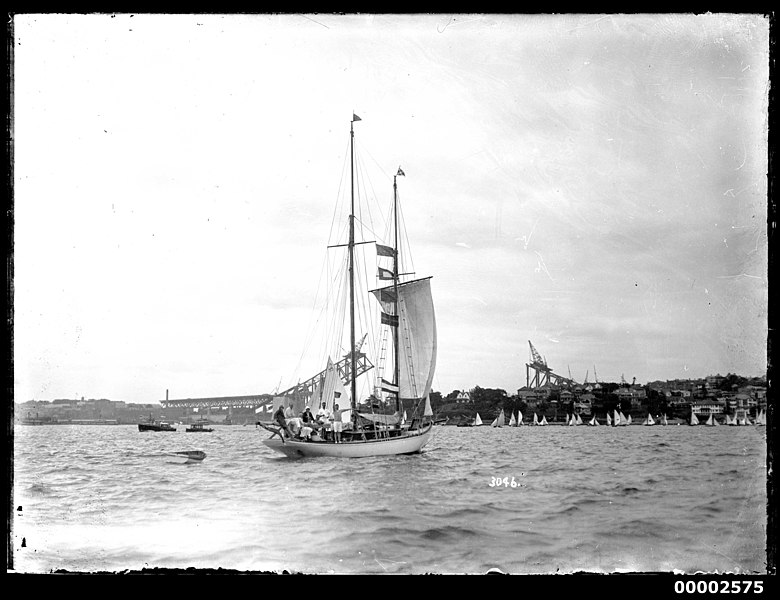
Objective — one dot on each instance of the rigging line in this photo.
(340, 308)
(329, 306)
(381, 170)
(312, 328)
(366, 305)
(326, 305)
(368, 196)
(407, 255)
(340, 194)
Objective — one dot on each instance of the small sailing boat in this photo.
(761, 417)
(406, 350)
(624, 420)
(593, 422)
(694, 420)
(616, 419)
(609, 420)
(571, 422)
(520, 418)
(649, 420)
(512, 421)
(500, 420)
(536, 419)
(710, 422)
(664, 421)
(543, 421)
(478, 421)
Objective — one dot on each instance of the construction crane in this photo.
(543, 375)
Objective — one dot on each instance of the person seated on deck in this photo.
(294, 423)
(338, 426)
(306, 432)
(308, 419)
(282, 421)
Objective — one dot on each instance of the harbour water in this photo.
(596, 499)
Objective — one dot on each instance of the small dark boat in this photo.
(153, 425)
(199, 426)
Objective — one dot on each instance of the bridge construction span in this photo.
(257, 401)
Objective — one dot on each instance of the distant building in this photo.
(713, 381)
(463, 398)
(708, 407)
(584, 404)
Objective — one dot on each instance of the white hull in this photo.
(406, 444)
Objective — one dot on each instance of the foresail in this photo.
(333, 391)
(417, 330)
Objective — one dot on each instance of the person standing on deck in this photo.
(323, 414)
(337, 424)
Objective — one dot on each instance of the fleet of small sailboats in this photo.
(619, 419)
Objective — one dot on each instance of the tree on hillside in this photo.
(732, 381)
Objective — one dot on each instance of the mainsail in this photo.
(417, 330)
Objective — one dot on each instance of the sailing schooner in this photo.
(408, 319)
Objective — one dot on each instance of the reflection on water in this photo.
(629, 499)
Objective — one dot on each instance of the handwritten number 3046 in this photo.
(506, 482)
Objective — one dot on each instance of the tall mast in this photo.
(352, 371)
(397, 336)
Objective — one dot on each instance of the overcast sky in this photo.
(593, 183)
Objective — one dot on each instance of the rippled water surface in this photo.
(626, 499)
